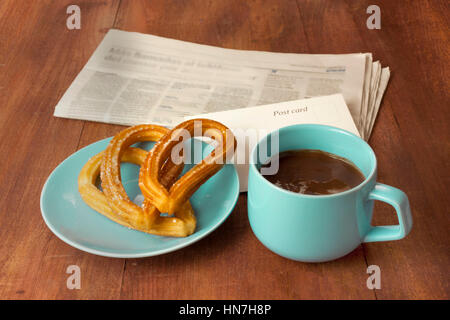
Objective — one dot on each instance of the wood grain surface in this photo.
(40, 57)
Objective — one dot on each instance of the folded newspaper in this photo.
(135, 78)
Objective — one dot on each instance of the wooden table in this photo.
(39, 58)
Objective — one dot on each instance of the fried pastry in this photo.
(170, 200)
(114, 203)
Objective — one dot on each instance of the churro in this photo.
(172, 199)
(113, 202)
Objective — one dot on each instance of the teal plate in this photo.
(74, 222)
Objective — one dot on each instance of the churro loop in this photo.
(114, 203)
(171, 200)
(89, 175)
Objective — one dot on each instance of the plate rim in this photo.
(84, 248)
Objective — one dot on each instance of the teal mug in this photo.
(317, 228)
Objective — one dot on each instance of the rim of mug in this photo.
(321, 196)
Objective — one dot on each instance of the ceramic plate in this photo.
(74, 222)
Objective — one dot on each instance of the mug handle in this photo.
(398, 199)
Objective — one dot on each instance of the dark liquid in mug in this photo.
(314, 172)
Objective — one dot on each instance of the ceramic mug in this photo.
(317, 228)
